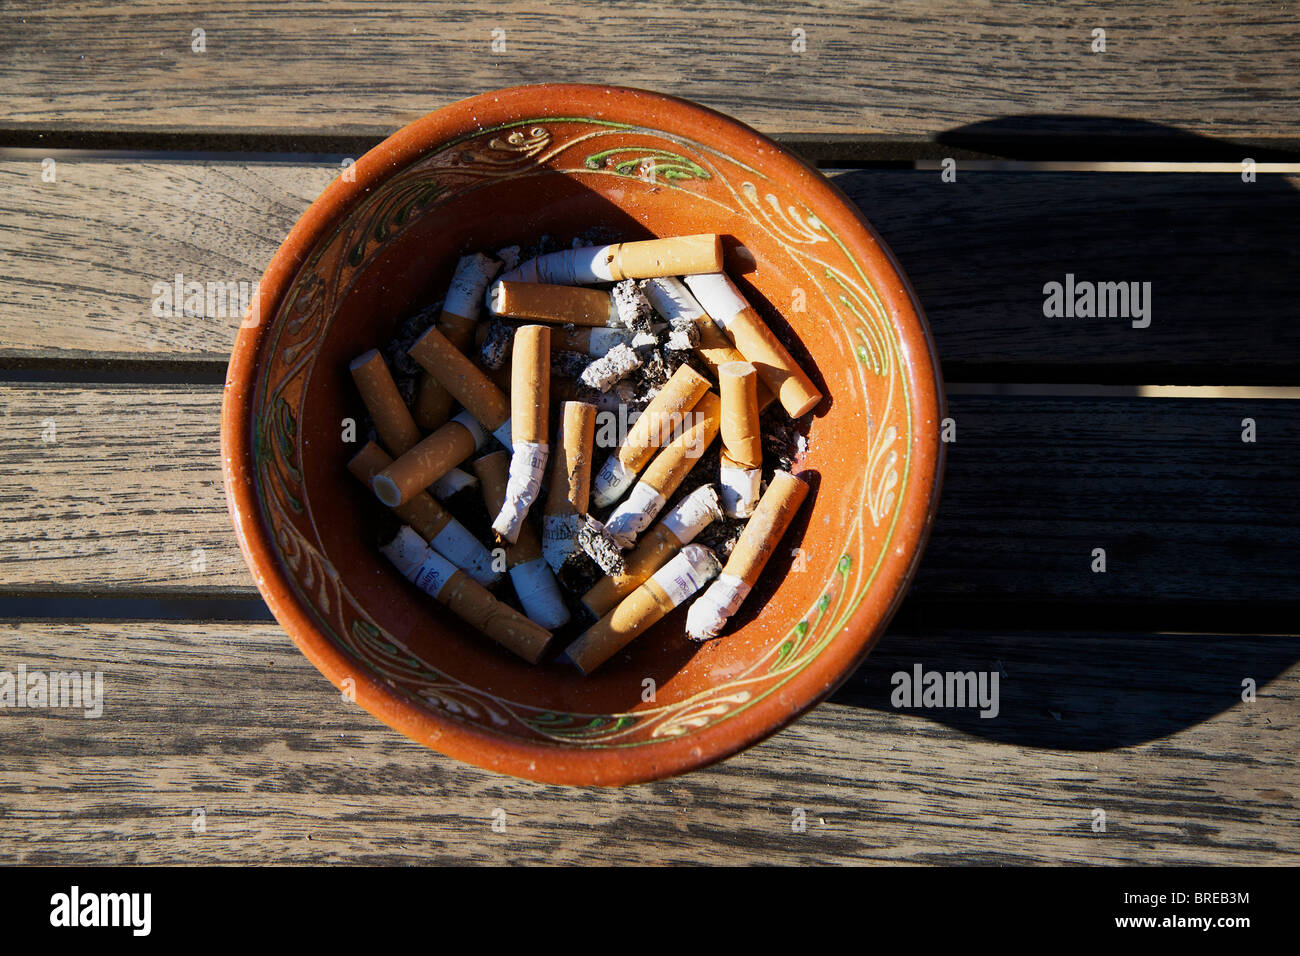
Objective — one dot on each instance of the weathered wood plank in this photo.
(126, 499)
(910, 71)
(230, 720)
(86, 251)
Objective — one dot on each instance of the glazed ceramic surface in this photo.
(503, 169)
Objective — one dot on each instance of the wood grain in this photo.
(127, 499)
(230, 720)
(911, 71)
(86, 250)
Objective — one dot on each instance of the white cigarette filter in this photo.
(720, 298)
(444, 533)
(530, 375)
(624, 260)
(662, 418)
(665, 474)
(672, 585)
(740, 487)
(678, 527)
(469, 600)
(452, 484)
(757, 543)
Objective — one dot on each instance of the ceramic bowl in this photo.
(505, 168)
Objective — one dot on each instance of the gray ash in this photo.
(721, 536)
(567, 364)
(500, 338)
(406, 370)
(783, 440)
(600, 547)
(634, 310)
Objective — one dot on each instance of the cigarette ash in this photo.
(567, 364)
(634, 310)
(497, 343)
(612, 367)
(600, 547)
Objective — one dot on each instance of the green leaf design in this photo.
(663, 164)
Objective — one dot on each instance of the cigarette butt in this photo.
(716, 350)
(452, 484)
(756, 544)
(534, 583)
(588, 341)
(397, 429)
(668, 587)
(459, 317)
(429, 460)
(669, 468)
(430, 520)
(558, 304)
(646, 259)
(676, 256)
(738, 388)
(530, 379)
(739, 487)
(462, 378)
(677, 528)
(570, 482)
(662, 417)
(468, 599)
(723, 302)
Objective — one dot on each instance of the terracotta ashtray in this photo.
(562, 160)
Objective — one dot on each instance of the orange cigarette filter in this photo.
(462, 378)
(393, 421)
(571, 471)
(421, 512)
(459, 317)
(530, 380)
(738, 385)
(428, 460)
(558, 304)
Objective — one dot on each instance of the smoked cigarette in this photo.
(558, 304)
(665, 473)
(464, 380)
(469, 600)
(460, 312)
(678, 527)
(530, 384)
(430, 520)
(756, 544)
(668, 587)
(531, 575)
(665, 413)
(720, 298)
(393, 421)
(429, 460)
(588, 341)
(610, 368)
(674, 302)
(742, 444)
(625, 260)
(570, 482)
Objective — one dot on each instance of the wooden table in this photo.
(1121, 692)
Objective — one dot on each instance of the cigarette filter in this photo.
(570, 482)
(668, 587)
(530, 380)
(665, 474)
(678, 527)
(558, 304)
(469, 600)
(665, 413)
(397, 429)
(756, 544)
(534, 583)
(720, 298)
(429, 460)
(674, 302)
(462, 378)
(431, 521)
(625, 260)
(460, 312)
(742, 444)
